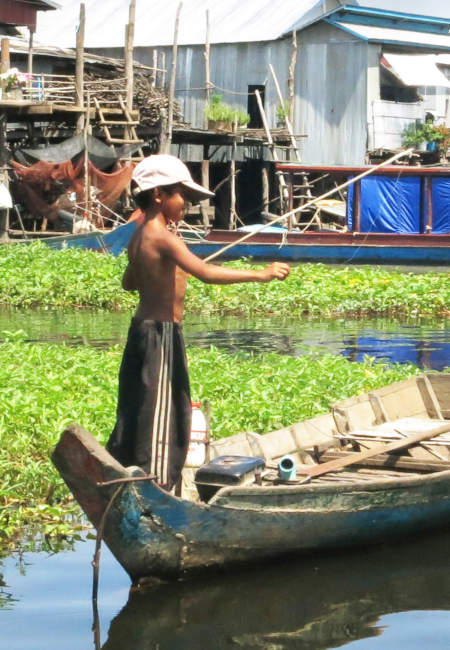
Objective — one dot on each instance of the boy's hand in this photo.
(277, 270)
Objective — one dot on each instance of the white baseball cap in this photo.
(162, 169)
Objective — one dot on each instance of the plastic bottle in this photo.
(196, 454)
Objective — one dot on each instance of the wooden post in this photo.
(173, 76)
(207, 69)
(357, 207)
(30, 54)
(204, 205)
(155, 65)
(163, 131)
(4, 157)
(233, 213)
(163, 68)
(286, 118)
(291, 78)
(79, 68)
(128, 60)
(129, 41)
(265, 188)
(5, 62)
(87, 184)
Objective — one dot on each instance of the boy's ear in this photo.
(157, 195)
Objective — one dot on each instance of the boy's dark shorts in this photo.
(154, 406)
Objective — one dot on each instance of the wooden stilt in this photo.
(173, 75)
(204, 205)
(30, 53)
(265, 188)
(233, 213)
(284, 196)
(5, 61)
(79, 68)
(291, 78)
(207, 69)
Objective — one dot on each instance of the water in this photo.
(380, 598)
(389, 597)
(423, 342)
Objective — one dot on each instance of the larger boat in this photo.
(377, 467)
(397, 215)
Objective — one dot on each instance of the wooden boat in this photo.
(397, 486)
(278, 244)
(329, 247)
(396, 215)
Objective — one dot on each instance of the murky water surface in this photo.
(387, 597)
(423, 342)
(390, 597)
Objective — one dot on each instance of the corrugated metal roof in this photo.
(231, 21)
(396, 36)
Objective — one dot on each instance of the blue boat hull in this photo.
(344, 248)
(153, 533)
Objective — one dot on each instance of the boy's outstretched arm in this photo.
(213, 274)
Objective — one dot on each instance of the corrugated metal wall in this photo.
(330, 86)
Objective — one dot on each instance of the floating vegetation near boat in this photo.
(35, 275)
(45, 387)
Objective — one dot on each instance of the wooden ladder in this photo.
(129, 125)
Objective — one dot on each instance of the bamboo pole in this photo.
(207, 68)
(385, 163)
(163, 68)
(155, 66)
(5, 61)
(204, 205)
(30, 53)
(233, 214)
(291, 78)
(129, 41)
(87, 183)
(286, 118)
(79, 68)
(173, 76)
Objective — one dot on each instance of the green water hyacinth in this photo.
(45, 387)
(35, 275)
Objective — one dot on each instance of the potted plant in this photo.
(424, 136)
(282, 113)
(221, 116)
(12, 83)
(412, 135)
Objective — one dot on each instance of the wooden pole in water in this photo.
(79, 68)
(173, 76)
(289, 214)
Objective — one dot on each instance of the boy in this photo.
(154, 406)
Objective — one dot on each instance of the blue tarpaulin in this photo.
(441, 205)
(388, 204)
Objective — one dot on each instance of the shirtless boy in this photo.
(154, 406)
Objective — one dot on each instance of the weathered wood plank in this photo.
(334, 465)
(392, 461)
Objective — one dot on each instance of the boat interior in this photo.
(363, 439)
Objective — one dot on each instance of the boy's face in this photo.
(174, 202)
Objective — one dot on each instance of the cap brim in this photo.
(196, 192)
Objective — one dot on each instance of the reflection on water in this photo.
(310, 603)
(315, 603)
(425, 343)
